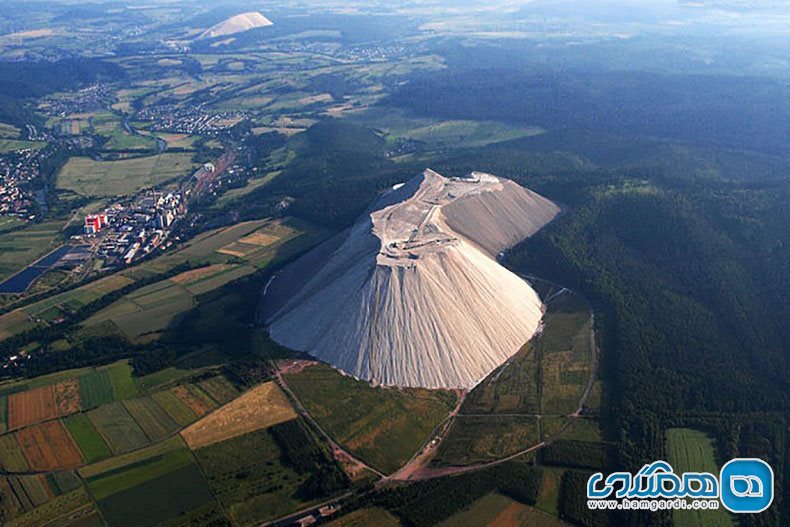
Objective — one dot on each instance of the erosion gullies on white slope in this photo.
(412, 294)
(237, 24)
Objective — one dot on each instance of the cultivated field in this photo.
(480, 439)
(384, 427)
(22, 247)
(87, 438)
(496, 510)
(88, 177)
(118, 428)
(365, 517)
(48, 446)
(691, 450)
(263, 406)
(248, 476)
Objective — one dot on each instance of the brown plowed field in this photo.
(31, 406)
(49, 447)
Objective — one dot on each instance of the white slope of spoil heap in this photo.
(412, 294)
(237, 24)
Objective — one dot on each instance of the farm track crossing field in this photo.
(118, 428)
(261, 407)
(49, 447)
(87, 438)
(88, 177)
(383, 426)
(691, 450)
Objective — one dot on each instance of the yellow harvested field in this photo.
(188, 277)
(260, 239)
(263, 406)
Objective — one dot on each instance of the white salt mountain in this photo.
(237, 24)
(412, 294)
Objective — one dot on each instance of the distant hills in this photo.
(237, 24)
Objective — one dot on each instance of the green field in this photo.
(248, 476)
(87, 438)
(549, 492)
(384, 427)
(24, 246)
(175, 408)
(691, 450)
(10, 145)
(137, 488)
(119, 140)
(123, 385)
(474, 440)
(365, 518)
(76, 505)
(154, 501)
(11, 457)
(96, 389)
(496, 510)
(154, 421)
(118, 428)
(579, 429)
(88, 177)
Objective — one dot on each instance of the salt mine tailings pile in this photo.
(412, 294)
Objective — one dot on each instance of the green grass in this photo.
(473, 440)
(52, 513)
(11, 457)
(175, 407)
(384, 427)
(497, 510)
(128, 476)
(549, 492)
(9, 145)
(119, 140)
(96, 388)
(88, 177)
(118, 428)
(154, 501)
(87, 438)
(22, 247)
(154, 421)
(365, 518)
(248, 477)
(123, 385)
(691, 450)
